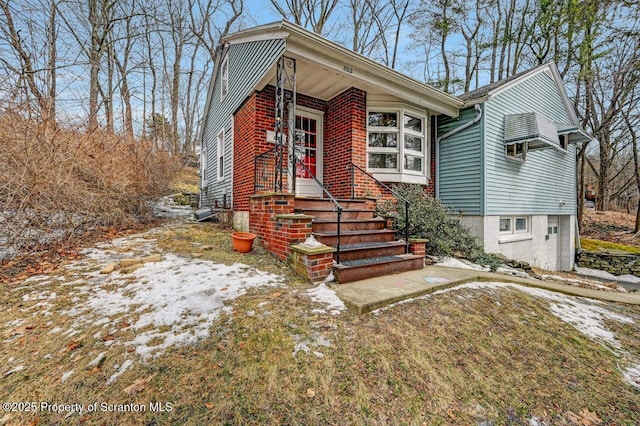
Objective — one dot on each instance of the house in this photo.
(302, 136)
(297, 129)
(507, 165)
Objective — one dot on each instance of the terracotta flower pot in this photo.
(243, 241)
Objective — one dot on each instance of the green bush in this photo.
(430, 219)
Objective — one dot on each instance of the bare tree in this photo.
(311, 14)
(34, 69)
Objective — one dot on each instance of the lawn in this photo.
(253, 344)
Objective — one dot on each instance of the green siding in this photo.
(248, 63)
(547, 177)
(461, 173)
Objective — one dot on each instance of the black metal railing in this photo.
(297, 163)
(264, 171)
(264, 175)
(407, 204)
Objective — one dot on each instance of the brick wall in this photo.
(271, 218)
(346, 139)
(244, 150)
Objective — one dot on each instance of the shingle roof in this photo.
(483, 91)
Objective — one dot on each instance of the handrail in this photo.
(339, 207)
(407, 204)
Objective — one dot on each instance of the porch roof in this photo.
(325, 69)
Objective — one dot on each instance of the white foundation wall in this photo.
(533, 247)
(241, 221)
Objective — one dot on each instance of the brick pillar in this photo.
(346, 140)
(314, 264)
(418, 246)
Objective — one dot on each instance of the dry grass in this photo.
(461, 357)
(186, 180)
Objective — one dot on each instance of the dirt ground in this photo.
(610, 226)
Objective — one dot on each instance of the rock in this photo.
(131, 268)
(206, 247)
(152, 258)
(196, 255)
(128, 262)
(109, 268)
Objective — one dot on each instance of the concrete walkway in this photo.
(373, 293)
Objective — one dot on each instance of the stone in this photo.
(152, 258)
(129, 269)
(128, 262)
(109, 268)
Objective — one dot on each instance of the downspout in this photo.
(452, 132)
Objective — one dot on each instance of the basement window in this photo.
(515, 228)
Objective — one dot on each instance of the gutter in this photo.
(451, 133)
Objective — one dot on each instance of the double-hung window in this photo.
(396, 142)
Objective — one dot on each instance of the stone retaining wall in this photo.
(617, 264)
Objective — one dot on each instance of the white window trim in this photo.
(220, 155)
(203, 168)
(400, 174)
(512, 234)
(224, 78)
(513, 157)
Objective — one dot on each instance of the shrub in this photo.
(430, 219)
(55, 184)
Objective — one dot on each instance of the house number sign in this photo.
(347, 69)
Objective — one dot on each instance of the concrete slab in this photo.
(373, 293)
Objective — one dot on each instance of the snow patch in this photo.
(121, 370)
(179, 296)
(66, 375)
(94, 362)
(452, 262)
(606, 275)
(632, 375)
(327, 296)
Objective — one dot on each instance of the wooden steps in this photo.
(368, 249)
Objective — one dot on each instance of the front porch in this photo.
(308, 145)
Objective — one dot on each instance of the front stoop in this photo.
(368, 247)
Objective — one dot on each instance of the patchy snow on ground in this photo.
(606, 275)
(452, 262)
(632, 375)
(587, 316)
(179, 295)
(171, 302)
(328, 297)
(577, 282)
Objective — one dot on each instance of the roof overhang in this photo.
(325, 69)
